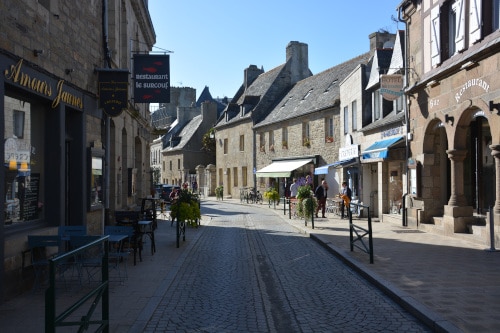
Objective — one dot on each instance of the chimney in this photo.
(298, 60)
(251, 74)
(209, 113)
(380, 40)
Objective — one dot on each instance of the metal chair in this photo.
(120, 249)
(91, 259)
(65, 233)
(42, 249)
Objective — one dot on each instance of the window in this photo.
(18, 124)
(458, 24)
(271, 140)
(170, 165)
(96, 178)
(399, 104)
(221, 177)
(262, 142)
(235, 177)
(376, 105)
(284, 137)
(354, 116)
(346, 119)
(244, 176)
(24, 175)
(306, 138)
(329, 129)
(242, 143)
(178, 164)
(226, 146)
(495, 15)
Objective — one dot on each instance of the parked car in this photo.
(166, 190)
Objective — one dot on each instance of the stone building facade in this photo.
(54, 155)
(453, 95)
(237, 145)
(183, 153)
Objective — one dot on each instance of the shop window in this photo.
(96, 193)
(23, 161)
(18, 124)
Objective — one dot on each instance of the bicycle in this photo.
(255, 196)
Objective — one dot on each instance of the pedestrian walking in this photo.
(321, 194)
(346, 195)
(294, 187)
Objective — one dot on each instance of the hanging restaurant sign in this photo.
(113, 91)
(391, 86)
(152, 78)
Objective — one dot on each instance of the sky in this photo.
(213, 42)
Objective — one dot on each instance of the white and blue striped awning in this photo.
(323, 170)
(380, 149)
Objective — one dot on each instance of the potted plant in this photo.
(187, 208)
(306, 202)
(272, 195)
(307, 142)
(329, 139)
(219, 192)
(271, 148)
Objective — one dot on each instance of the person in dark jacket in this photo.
(321, 194)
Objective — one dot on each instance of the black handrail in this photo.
(100, 292)
(360, 231)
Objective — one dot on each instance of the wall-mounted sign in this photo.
(391, 86)
(152, 78)
(57, 91)
(113, 91)
(348, 152)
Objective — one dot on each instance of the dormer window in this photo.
(307, 95)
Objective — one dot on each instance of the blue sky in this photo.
(214, 41)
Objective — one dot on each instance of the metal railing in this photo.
(99, 293)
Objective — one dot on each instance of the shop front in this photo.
(383, 173)
(44, 175)
(458, 149)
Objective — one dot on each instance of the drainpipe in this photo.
(107, 64)
(405, 110)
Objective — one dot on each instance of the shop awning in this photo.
(323, 170)
(380, 148)
(282, 168)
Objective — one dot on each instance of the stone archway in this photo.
(474, 136)
(436, 183)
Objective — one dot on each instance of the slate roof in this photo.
(381, 63)
(315, 93)
(398, 59)
(391, 118)
(178, 136)
(259, 88)
(207, 96)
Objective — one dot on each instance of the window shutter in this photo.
(435, 40)
(475, 21)
(460, 25)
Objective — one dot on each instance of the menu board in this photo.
(31, 197)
